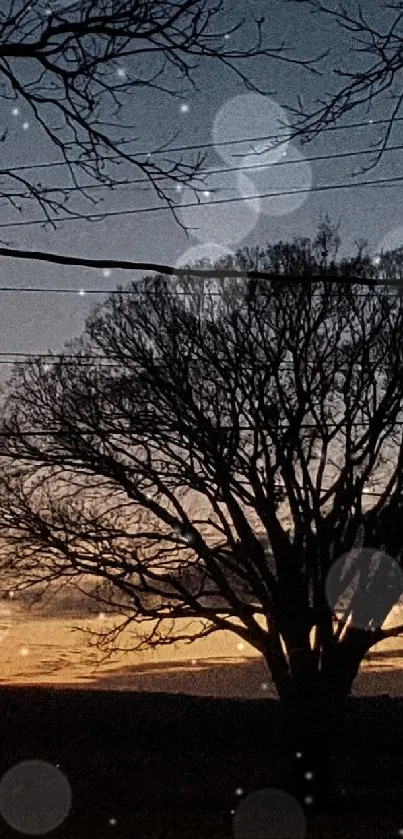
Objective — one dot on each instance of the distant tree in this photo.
(74, 68)
(381, 78)
(277, 409)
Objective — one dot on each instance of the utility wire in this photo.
(82, 292)
(215, 273)
(78, 363)
(169, 269)
(42, 433)
(194, 147)
(59, 358)
(9, 435)
(224, 170)
(136, 210)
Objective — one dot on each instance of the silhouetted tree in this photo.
(198, 420)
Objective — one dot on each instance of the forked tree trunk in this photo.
(314, 720)
(314, 705)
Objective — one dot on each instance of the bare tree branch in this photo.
(362, 87)
(76, 69)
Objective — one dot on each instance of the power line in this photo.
(213, 145)
(215, 273)
(77, 362)
(82, 292)
(224, 170)
(59, 358)
(137, 210)
(10, 435)
(306, 425)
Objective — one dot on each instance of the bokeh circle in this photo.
(219, 212)
(247, 120)
(269, 814)
(392, 241)
(35, 797)
(366, 581)
(208, 253)
(205, 257)
(259, 177)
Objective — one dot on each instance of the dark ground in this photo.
(167, 766)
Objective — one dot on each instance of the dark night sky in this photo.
(38, 323)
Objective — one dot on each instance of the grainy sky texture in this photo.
(37, 323)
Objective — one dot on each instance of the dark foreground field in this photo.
(167, 766)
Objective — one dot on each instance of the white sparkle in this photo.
(121, 73)
(264, 686)
(298, 755)
(226, 36)
(178, 188)
(400, 831)
(81, 292)
(24, 651)
(184, 108)
(101, 616)
(106, 272)
(239, 791)
(113, 822)
(15, 112)
(194, 661)
(206, 193)
(241, 646)
(46, 368)
(11, 594)
(25, 126)
(370, 121)
(308, 776)
(308, 799)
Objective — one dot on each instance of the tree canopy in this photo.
(194, 424)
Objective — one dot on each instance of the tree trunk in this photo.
(314, 717)
(314, 702)
(315, 740)
(314, 721)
